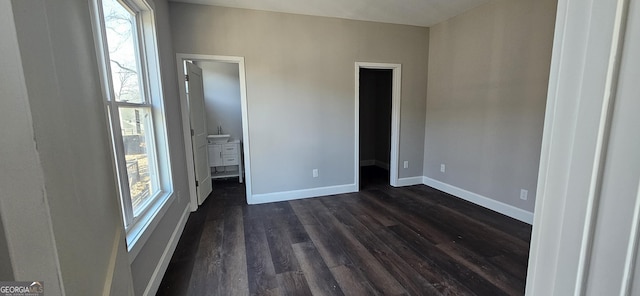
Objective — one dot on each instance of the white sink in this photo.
(218, 139)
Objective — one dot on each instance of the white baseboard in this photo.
(300, 194)
(161, 268)
(408, 181)
(381, 164)
(480, 200)
(368, 162)
(372, 162)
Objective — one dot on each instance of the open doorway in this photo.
(225, 111)
(377, 122)
(375, 125)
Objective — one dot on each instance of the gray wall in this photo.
(488, 76)
(21, 180)
(300, 87)
(222, 97)
(6, 269)
(375, 115)
(63, 86)
(61, 74)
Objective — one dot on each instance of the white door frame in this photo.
(186, 128)
(585, 66)
(395, 118)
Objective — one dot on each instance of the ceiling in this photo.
(423, 13)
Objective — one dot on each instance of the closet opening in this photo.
(375, 98)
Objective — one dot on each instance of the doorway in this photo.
(223, 114)
(233, 120)
(375, 125)
(377, 121)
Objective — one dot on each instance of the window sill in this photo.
(139, 233)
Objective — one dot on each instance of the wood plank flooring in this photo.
(380, 241)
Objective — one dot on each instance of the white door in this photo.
(613, 267)
(195, 94)
(586, 232)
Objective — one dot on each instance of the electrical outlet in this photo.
(406, 164)
(442, 168)
(315, 173)
(523, 194)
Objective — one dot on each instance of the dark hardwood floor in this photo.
(380, 241)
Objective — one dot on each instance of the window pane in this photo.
(123, 55)
(140, 160)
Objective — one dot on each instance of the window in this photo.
(128, 58)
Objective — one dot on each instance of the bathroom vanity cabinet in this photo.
(225, 159)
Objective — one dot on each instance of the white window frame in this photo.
(148, 62)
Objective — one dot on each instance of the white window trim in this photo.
(140, 228)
